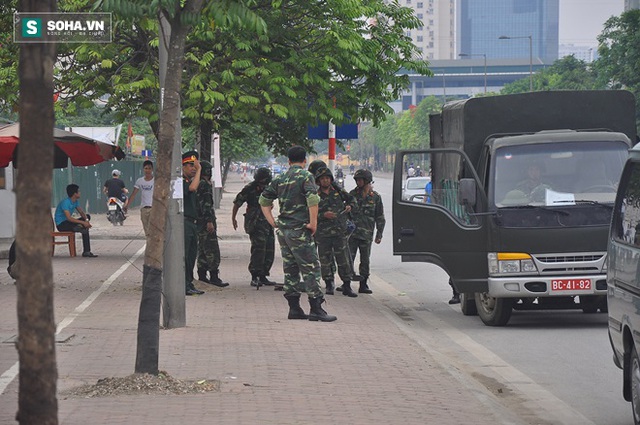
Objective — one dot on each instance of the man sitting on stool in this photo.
(65, 222)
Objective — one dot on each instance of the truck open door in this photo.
(446, 224)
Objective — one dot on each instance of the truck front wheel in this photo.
(493, 311)
(468, 304)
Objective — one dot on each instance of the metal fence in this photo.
(91, 180)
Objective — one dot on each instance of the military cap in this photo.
(315, 165)
(190, 156)
(323, 171)
(206, 168)
(262, 174)
(363, 174)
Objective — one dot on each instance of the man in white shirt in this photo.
(144, 185)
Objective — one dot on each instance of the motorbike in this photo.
(340, 182)
(115, 211)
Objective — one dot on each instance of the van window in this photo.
(626, 221)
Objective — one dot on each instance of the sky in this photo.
(581, 21)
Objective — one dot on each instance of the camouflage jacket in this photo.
(253, 217)
(369, 215)
(295, 191)
(204, 197)
(331, 202)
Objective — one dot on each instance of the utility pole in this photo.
(530, 37)
(173, 284)
(332, 143)
(462, 55)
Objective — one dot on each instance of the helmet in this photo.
(115, 173)
(262, 173)
(323, 171)
(316, 165)
(206, 168)
(363, 174)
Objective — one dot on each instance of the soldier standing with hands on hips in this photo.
(190, 180)
(298, 199)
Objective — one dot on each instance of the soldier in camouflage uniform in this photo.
(298, 199)
(208, 247)
(257, 227)
(330, 236)
(191, 170)
(346, 196)
(368, 217)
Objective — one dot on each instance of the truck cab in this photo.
(522, 189)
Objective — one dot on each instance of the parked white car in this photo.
(415, 186)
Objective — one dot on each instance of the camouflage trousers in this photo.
(364, 246)
(299, 258)
(208, 250)
(330, 249)
(263, 243)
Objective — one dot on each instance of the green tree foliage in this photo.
(567, 73)
(618, 66)
(404, 130)
(311, 55)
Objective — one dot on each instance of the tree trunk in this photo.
(148, 340)
(37, 402)
(206, 130)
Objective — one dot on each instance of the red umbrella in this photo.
(81, 150)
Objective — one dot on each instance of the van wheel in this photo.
(493, 311)
(468, 304)
(634, 378)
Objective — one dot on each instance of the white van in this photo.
(623, 281)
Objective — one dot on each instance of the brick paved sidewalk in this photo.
(361, 369)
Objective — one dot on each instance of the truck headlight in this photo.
(510, 263)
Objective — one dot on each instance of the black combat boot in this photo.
(347, 291)
(266, 282)
(254, 280)
(330, 287)
(317, 312)
(364, 288)
(202, 276)
(295, 311)
(215, 280)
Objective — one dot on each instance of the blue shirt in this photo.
(65, 205)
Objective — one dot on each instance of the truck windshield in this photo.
(557, 174)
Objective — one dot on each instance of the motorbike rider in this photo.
(114, 188)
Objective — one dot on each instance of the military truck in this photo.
(520, 200)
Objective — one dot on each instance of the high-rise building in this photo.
(631, 4)
(527, 27)
(437, 36)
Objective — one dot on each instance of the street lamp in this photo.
(505, 37)
(463, 55)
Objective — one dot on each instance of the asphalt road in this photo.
(546, 366)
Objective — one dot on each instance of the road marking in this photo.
(7, 377)
(535, 398)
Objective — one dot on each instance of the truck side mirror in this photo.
(467, 192)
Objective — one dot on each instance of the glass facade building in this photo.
(481, 23)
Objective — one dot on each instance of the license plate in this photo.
(112, 207)
(571, 285)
